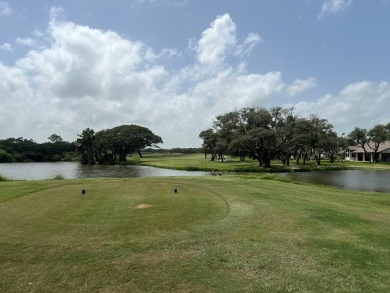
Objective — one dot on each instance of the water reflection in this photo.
(350, 179)
(72, 170)
(367, 180)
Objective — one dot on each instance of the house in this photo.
(355, 153)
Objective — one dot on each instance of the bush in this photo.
(3, 179)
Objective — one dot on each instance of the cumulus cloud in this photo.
(6, 47)
(360, 104)
(216, 41)
(300, 86)
(28, 42)
(5, 8)
(83, 77)
(333, 7)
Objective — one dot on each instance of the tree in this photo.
(264, 134)
(112, 145)
(127, 139)
(284, 121)
(54, 138)
(209, 142)
(225, 126)
(85, 146)
(302, 146)
(387, 127)
(257, 132)
(359, 137)
(376, 136)
(321, 137)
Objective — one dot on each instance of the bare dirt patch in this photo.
(143, 206)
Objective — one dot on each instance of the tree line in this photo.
(27, 150)
(278, 134)
(108, 146)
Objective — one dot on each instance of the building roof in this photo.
(370, 147)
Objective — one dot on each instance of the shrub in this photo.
(3, 179)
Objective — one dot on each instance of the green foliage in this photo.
(267, 135)
(85, 146)
(370, 140)
(27, 150)
(6, 157)
(277, 134)
(113, 145)
(58, 177)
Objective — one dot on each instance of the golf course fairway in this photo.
(214, 234)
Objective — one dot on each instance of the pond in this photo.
(73, 170)
(366, 180)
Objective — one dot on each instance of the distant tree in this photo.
(387, 127)
(85, 146)
(127, 139)
(6, 157)
(302, 140)
(359, 137)
(209, 142)
(54, 138)
(25, 150)
(322, 137)
(377, 135)
(113, 145)
(263, 134)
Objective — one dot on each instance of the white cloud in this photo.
(247, 46)
(361, 104)
(28, 42)
(215, 42)
(6, 47)
(5, 8)
(333, 7)
(300, 86)
(85, 77)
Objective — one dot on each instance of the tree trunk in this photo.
(260, 162)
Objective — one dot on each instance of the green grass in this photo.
(216, 234)
(197, 162)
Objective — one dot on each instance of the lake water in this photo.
(367, 180)
(73, 170)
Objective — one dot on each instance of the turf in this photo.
(216, 234)
(193, 162)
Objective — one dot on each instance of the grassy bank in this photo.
(216, 234)
(197, 162)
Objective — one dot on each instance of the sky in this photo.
(174, 65)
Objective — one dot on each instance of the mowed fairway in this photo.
(216, 234)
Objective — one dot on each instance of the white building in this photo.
(355, 153)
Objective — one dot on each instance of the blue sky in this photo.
(173, 65)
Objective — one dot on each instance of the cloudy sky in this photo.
(173, 65)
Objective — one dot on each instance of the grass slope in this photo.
(195, 162)
(217, 234)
